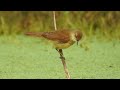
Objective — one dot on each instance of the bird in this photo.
(61, 39)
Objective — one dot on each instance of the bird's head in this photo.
(78, 35)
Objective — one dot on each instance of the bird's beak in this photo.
(77, 42)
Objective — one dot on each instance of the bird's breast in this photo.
(63, 45)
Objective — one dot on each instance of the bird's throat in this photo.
(72, 37)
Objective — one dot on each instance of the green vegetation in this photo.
(26, 57)
(102, 23)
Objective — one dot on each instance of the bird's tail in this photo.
(35, 34)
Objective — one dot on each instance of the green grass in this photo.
(26, 58)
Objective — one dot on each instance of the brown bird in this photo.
(61, 39)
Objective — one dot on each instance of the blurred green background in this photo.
(98, 56)
(104, 23)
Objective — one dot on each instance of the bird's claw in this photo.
(62, 58)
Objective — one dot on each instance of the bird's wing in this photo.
(59, 36)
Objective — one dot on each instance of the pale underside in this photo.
(63, 45)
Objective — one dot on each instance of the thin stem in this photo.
(61, 52)
(64, 63)
(54, 17)
(65, 68)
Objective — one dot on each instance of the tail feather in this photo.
(35, 34)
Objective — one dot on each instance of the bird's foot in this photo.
(62, 58)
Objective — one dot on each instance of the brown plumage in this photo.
(60, 38)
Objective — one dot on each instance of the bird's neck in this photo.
(73, 38)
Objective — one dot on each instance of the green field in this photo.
(29, 58)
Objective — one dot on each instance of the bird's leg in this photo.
(61, 53)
